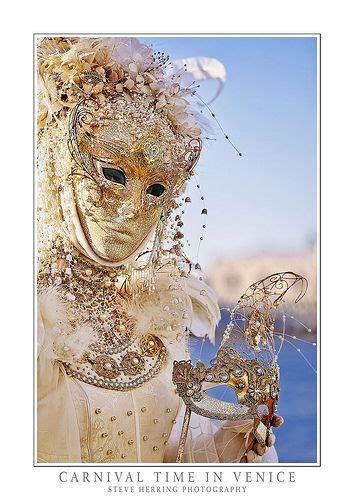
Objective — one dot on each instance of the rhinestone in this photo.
(224, 377)
(238, 373)
(209, 376)
(190, 392)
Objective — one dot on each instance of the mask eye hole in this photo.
(155, 190)
(114, 175)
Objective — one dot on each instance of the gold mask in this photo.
(126, 180)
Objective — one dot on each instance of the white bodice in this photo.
(128, 427)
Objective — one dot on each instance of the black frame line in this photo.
(319, 255)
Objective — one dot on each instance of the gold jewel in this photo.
(132, 363)
(151, 149)
(150, 345)
(105, 366)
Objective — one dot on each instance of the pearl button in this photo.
(113, 418)
(97, 411)
(129, 413)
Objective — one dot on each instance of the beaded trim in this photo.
(106, 372)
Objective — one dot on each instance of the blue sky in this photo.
(265, 200)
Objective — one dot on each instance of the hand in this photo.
(257, 451)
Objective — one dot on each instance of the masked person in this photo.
(117, 297)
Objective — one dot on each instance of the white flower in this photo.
(132, 55)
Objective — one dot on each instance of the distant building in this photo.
(231, 276)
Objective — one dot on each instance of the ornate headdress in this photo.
(101, 68)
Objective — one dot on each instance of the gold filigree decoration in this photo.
(245, 361)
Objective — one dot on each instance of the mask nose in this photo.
(132, 204)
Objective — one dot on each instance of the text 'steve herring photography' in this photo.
(176, 198)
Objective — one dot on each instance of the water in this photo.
(296, 439)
